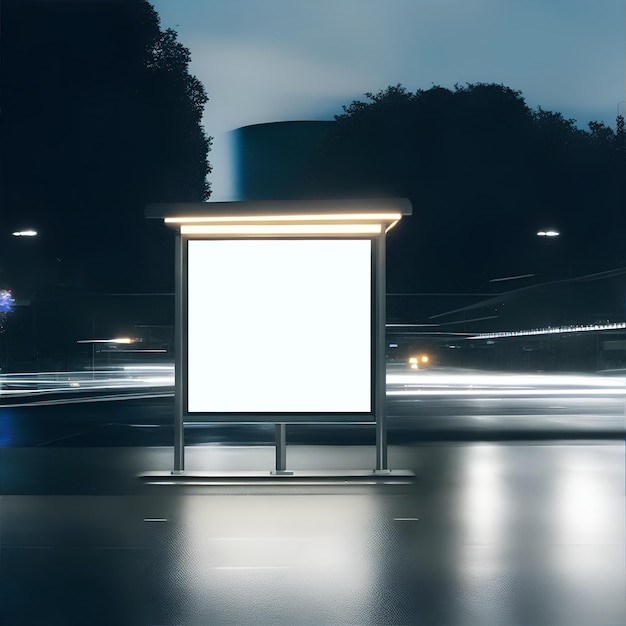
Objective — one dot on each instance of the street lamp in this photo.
(548, 233)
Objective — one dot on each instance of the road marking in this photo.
(155, 519)
(406, 519)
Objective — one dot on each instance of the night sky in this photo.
(272, 60)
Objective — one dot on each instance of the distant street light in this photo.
(118, 340)
(548, 233)
(25, 233)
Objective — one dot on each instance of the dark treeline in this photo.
(485, 173)
(100, 116)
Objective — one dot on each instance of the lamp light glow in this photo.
(548, 233)
(25, 233)
(280, 229)
(339, 217)
(125, 340)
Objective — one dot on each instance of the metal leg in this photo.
(179, 427)
(380, 365)
(179, 437)
(281, 450)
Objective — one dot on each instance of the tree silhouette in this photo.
(100, 115)
(484, 173)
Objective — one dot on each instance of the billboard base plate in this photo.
(278, 476)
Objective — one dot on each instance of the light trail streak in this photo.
(551, 331)
(85, 399)
(39, 389)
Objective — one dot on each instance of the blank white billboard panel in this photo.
(279, 326)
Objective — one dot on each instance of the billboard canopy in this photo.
(283, 217)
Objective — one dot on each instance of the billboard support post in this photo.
(380, 379)
(179, 425)
(281, 450)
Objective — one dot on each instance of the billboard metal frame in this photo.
(303, 416)
(357, 211)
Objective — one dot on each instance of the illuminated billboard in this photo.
(279, 328)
